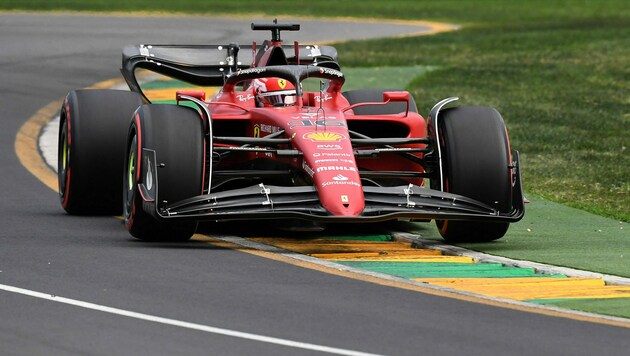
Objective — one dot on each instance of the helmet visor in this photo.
(278, 98)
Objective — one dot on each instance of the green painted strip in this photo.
(442, 270)
(507, 273)
(606, 306)
(371, 238)
(547, 301)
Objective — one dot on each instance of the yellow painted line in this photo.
(411, 260)
(555, 292)
(26, 145)
(419, 253)
(534, 288)
(395, 258)
(309, 247)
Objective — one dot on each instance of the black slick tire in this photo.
(92, 132)
(476, 160)
(175, 133)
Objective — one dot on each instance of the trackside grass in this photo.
(558, 71)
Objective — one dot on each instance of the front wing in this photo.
(302, 202)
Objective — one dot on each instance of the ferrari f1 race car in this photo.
(279, 140)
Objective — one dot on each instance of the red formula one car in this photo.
(280, 140)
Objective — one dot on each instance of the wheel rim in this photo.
(63, 160)
(129, 180)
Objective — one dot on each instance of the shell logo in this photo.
(324, 136)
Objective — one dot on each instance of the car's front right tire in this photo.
(476, 164)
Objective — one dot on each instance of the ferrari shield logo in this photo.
(282, 83)
(344, 198)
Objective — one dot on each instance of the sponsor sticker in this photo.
(324, 136)
(319, 98)
(337, 182)
(334, 160)
(331, 154)
(329, 147)
(336, 168)
(330, 121)
(250, 71)
(330, 71)
(340, 177)
(242, 97)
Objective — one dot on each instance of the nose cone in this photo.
(329, 159)
(339, 187)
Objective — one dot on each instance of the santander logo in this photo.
(340, 177)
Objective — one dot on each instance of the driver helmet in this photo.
(274, 92)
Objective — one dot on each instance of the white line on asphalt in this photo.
(184, 324)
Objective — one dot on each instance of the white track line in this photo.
(184, 324)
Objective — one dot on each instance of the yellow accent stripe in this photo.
(395, 257)
(319, 246)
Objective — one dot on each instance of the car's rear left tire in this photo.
(92, 132)
(476, 160)
(175, 133)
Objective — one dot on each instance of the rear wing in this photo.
(208, 65)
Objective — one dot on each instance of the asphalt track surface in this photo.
(204, 292)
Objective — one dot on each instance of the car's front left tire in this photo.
(175, 134)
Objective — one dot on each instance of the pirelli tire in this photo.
(92, 132)
(176, 135)
(376, 95)
(476, 163)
